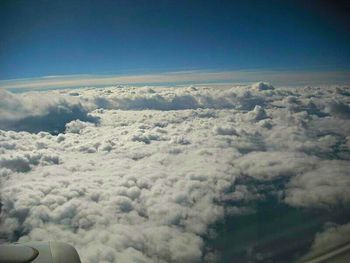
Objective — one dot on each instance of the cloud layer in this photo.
(141, 174)
(286, 78)
(35, 112)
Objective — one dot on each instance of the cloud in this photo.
(163, 165)
(340, 109)
(76, 126)
(23, 163)
(286, 78)
(262, 86)
(269, 165)
(322, 187)
(40, 112)
(178, 99)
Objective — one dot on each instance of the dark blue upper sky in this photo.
(39, 38)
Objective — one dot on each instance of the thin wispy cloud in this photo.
(181, 77)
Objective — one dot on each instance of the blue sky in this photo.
(44, 38)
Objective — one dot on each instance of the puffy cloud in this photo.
(40, 112)
(165, 201)
(23, 163)
(340, 109)
(269, 165)
(75, 126)
(326, 186)
(262, 86)
(167, 99)
(161, 166)
(258, 113)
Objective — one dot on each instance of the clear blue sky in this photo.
(40, 38)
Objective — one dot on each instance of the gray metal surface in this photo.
(339, 254)
(17, 254)
(39, 252)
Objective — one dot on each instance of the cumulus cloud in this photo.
(35, 112)
(262, 86)
(162, 165)
(269, 165)
(325, 186)
(340, 109)
(175, 99)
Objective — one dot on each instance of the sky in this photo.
(49, 38)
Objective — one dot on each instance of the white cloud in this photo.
(36, 112)
(262, 86)
(269, 165)
(147, 181)
(326, 186)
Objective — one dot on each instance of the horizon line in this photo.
(276, 77)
